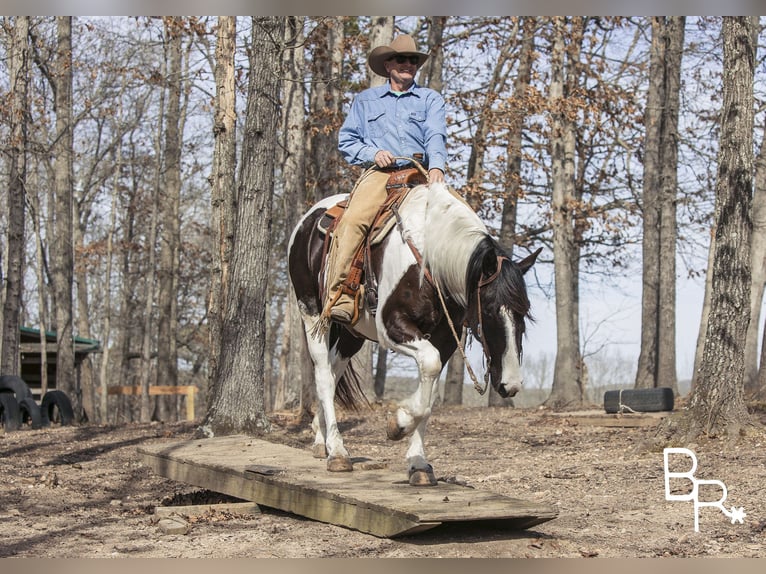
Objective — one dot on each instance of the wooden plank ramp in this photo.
(370, 499)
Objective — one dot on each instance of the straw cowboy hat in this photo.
(402, 45)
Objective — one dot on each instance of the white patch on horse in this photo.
(451, 234)
(512, 375)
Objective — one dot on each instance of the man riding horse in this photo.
(398, 119)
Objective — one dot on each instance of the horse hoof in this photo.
(339, 464)
(393, 430)
(422, 476)
(319, 451)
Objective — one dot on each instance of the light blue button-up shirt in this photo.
(405, 124)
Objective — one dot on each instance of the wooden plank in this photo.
(377, 501)
(153, 390)
(625, 420)
(187, 390)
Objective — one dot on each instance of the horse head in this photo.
(498, 308)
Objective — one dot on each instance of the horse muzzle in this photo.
(509, 390)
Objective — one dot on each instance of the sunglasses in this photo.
(402, 59)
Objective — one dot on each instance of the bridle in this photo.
(483, 282)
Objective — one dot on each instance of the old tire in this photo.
(56, 408)
(30, 413)
(16, 385)
(10, 419)
(639, 400)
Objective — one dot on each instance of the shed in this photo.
(31, 357)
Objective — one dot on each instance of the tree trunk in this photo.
(762, 370)
(223, 183)
(292, 376)
(657, 359)
(758, 265)
(35, 213)
(325, 109)
(106, 330)
(717, 403)
(381, 34)
(238, 401)
(381, 369)
(705, 314)
(432, 73)
(567, 390)
(151, 270)
(14, 277)
(666, 357)
(170, 238)
(62, 250)
(453, 381)
(515, 135)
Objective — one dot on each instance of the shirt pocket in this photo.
(418, 117)
(376, 122)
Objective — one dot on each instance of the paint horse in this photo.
(464, 276)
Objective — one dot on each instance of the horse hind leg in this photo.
(328, 367)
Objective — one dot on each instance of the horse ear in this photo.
(489, 265)
(526, 263)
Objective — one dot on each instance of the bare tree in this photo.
(717, 403)
(657, 360)
(432, 72)
(758, 266)
(151, 271)
(62, 250)
(237, 404)
(381, 33)
(170, 199)
(325, 108)
(294, 378)
(19, 114)
(223, 182)
(568, 378)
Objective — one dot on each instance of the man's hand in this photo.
(435, 175)
(384, 158)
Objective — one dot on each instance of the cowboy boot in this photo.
(340, 305)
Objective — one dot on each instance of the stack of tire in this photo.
(18, 409)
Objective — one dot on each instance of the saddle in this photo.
(399, 184)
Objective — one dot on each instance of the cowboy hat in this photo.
(402, 45)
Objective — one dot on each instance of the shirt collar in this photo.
(385, 89)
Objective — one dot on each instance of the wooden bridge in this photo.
(372, 499)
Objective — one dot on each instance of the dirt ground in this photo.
(82, 492)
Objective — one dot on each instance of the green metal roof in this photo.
(86, 345)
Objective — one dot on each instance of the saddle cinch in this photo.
(360, 276)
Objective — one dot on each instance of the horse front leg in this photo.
(411, 416)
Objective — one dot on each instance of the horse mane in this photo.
(509, 288)
(452, 233)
